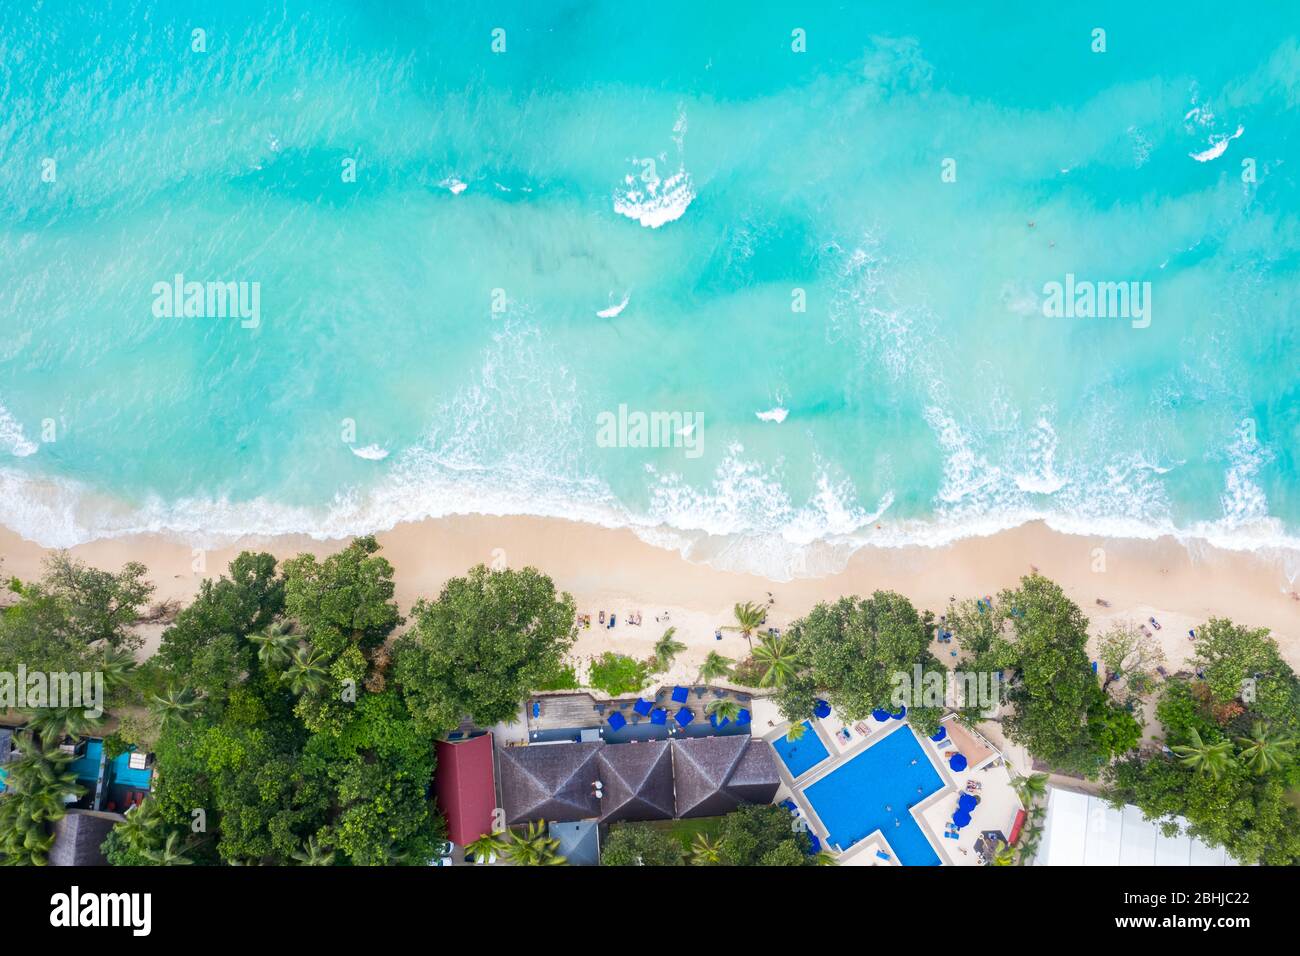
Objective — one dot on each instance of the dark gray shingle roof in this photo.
(78, 836)
(549, 782)
(638, 781)
(717, 774)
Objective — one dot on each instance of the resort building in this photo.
(79, 836)
(465, 786)
(1082, 829)
(644, 780)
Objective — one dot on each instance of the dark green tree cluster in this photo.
(1036, 638)
(489, 639)
(1229, 764)
(753, 835)
(857, 653)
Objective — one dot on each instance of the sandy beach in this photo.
(614, 571)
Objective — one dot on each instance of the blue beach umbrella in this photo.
(880, 715)
(966, 802)
(643, 707)
(961, 818)
(902, 712)
(957, 762)
(743, 717)
(680, 694)
(939, 735)
(658, 716)
(617, 721)
(822, 709)
(684, 716)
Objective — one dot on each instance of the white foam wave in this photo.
(453, 185)
(653, 201)
(777, 415)
(371, 452)
(614, 311)
(1218, 148)
(12, 438)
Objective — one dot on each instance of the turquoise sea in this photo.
(440, 333)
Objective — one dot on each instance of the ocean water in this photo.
(627, 207)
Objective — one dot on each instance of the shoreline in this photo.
(614, 570)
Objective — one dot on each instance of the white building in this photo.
(1084, 830)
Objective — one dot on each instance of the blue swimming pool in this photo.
(875, 791)
(803, 754)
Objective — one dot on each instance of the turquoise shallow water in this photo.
(429, 339)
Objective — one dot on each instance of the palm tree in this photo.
(666, 648)
(1030, 788)
(1003, 855)
(306, 671)
(177, 706)
(825, 858)
(715, 667)
(778, 656)
(1205, 758)
(705, 851)
(117, 666)
(486, 848)
(37, 789)
(169, 854)
(1262, 752)
(749, 618)
(534, 848)
(314, 853)
(141, 824)
(796, 731)
(724, 708)
(274, 644)
(53, 724)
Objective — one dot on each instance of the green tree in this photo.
(667, 648)
(859, 652)
(779, 658)
(206, 647)
(275, 644)
(347, 599)
(1054, 689)
(1205, 757)
(749, 618)
(306, 672)
(715, 667)
(171, 853)
(38, 783)
(487, 848)
(53, 724)
(480, 648)
(761, 835)
(1263, 751)
(705, 851)
(533, 847)
(314, 853)
(635, 844)
(175, 705)
(723, 708)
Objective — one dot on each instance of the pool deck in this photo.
(996, 810)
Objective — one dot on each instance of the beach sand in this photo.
(613, 570)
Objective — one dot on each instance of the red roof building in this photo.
(465, 787)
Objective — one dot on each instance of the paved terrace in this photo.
(568, 710)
